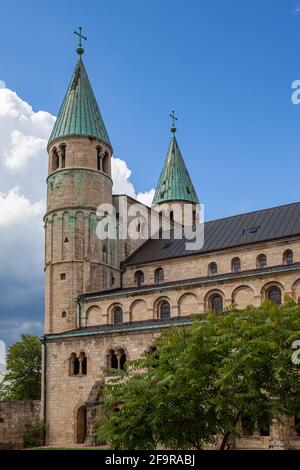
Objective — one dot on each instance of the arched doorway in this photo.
(81, 425)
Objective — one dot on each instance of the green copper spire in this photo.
(79, 113)
(174, 183)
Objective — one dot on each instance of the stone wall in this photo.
(15, 417)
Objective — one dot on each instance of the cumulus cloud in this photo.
(23, 169)
(122, 185)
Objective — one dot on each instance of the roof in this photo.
(123, 327)
(174, 182)
(79, 113)
(239, 230)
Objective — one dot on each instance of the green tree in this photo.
(202, 381)
(23, 379)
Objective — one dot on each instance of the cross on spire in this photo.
(174, 118)
(80, 49)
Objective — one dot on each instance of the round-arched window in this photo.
(274, 294)
(261, 261)
(118, 316)
(159, 276)
(212, 268)
(139, 278)
(164, 310)
(236, 265)
(288, 257)
(216, 303)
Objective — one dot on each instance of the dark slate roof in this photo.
(136, 325)
(252, 227)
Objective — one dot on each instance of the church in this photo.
(106, 300)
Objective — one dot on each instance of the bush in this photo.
(35, 434)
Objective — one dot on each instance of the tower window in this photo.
(236, 265)
(261, 261)
(212, 269)
(62, 276)
(288, 257)
(99, 159)
(274, 294)
(164, 310)
(106, 162)
(118, 316)
(62, 155)
(63, 314)
(55, 159)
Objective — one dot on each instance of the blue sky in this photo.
(226, 67)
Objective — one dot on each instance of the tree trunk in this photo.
(227, 434)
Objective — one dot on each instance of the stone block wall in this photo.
(15, 417)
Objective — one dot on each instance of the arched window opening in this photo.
(164, 310)
(159, 276)
(82, 364)
(106, 162)
(212, 269)
(112, 361)
(261, 261)
(76, 366)
(172, 217)
(63, 314)
(62, 155)
(274, 294)
(118, 316)
(236, 265)
(122, 359)
(72, 364)
(194, 217)
(55, 159)
(139, 278)
(99, 159)
(217, 303)
(288, 257)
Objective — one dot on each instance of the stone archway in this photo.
(80, 434)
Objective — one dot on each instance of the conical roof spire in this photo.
(79, 113)
(174, 183)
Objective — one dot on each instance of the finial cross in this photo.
(81, 36)
(172, 116)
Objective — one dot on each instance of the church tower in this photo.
(175, 188)
(79, 180)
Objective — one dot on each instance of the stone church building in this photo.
(106, 300)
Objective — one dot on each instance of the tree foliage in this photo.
(23, 379)
(203, 381)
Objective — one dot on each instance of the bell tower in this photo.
(79, 180)
(175, 187)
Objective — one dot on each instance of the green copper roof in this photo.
(79, 113)
(174, 182)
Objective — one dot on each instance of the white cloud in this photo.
(146, 197)
(16, 209)
(121, 184)
(2, 84)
